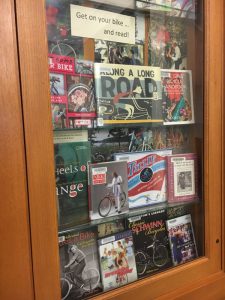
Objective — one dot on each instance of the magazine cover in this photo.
(152, 252)
(167, 42)
(110, 228)
(107, 189)
(178, 107)
(127, 95)
(71, 182)
(146, 177)
(159, 5)
(72, 92)
(182, 177)
(181, 239)
(183, 9)
(117, 262)
(79, 264)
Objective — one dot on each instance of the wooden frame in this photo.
(189, 278)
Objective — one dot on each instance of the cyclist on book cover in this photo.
(76, 264)
(116, 187)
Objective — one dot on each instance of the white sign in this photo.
(103, 25)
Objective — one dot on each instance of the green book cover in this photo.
(71, 182)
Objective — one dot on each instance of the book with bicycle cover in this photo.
(182, 177)
(152, 251)
(72, 153)
(178, 107)
(182, 239)
(127, 94)
(107, 189)
(79, 274)
(117, 261)
(146, 176)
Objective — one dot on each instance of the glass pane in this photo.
(126, 82)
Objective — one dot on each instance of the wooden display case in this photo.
(28, 134)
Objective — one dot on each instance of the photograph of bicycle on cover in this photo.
(57, 84)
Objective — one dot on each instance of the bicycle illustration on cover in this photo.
(126, 105)
(155, 254)
(78, 278)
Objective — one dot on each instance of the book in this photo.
(107, 189)
(110, 228)
(182, 239)
(118, 53)
(146, 177)
(183, 9)
(127, 95)
(71, 160)
(79, 264)
(182, 177)
(158, 5)
(152, 252)
(167, 42)
(72, 92)
(117, 262)
(178, 107)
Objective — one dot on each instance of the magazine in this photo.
(182, 177)
(152, 252)
(79, 264)
(146, 177)
(71, 160)
(107, 189)
(178, 107)
(127, 95)
(117, 262)
(110, 228)
(181, 239)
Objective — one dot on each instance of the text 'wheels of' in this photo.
(122, 199)
(91, 279)
(65, 288)
(140, 262)
(160, 256)
(104, 207)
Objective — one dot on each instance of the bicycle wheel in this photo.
(140, 262)
(91, 279)
(65, 288)
(104, 207)
(122, 199)
(64, 50)
(160, 256)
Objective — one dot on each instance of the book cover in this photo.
(152, 252)
(72, 92)
(79, 264)
(117, 262)
(167, 42)
(107, 189)
(127, 95)
(181, 239)
(71, 182)
(110, 228)
(182, 177)
(158, 5)
(183, 9)
(146, 177)
(178, 107)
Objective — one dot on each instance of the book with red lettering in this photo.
(79, 264)
(146, 176)
(117, 261)
(72, 92)
(177, 93)
(107, 185)
(152, 252)
(182, 178)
